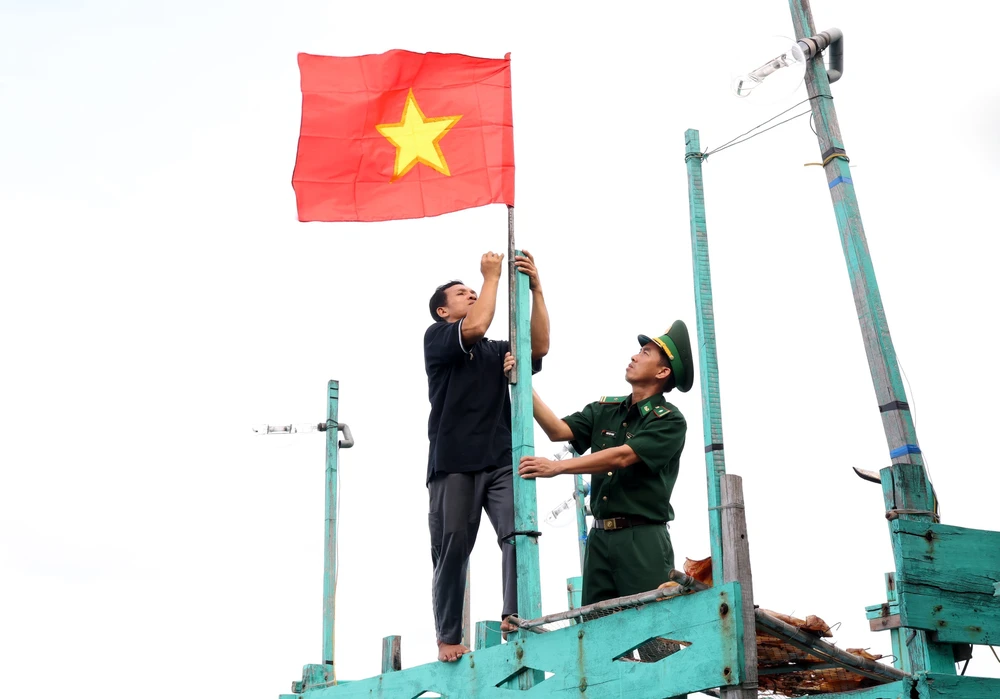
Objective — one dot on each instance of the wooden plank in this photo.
(574, 592)
(901, 660)
(948, 580)
(736, 566)
(885, 623)
(488, 634)
(708, 363)
(943, 686)
(467, 609)
(894, 690)
(582, 657)
(392, 658)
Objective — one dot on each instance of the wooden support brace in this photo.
(391, 654)
(487, 634)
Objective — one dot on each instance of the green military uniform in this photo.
(629, 549)
(637, 558)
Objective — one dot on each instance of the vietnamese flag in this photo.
(403, 135)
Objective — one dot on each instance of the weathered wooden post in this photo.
(392, 654)
(909, 490)
(467, 610)
(736, 567)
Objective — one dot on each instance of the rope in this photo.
(895, 513)
(842, 156)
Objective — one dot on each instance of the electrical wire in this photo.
(737, 140)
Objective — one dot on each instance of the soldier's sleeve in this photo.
(582, 424)
(660, 440)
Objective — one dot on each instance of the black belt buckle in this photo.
(614, 523)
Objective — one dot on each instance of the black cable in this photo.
(721, 148)
(737, 140)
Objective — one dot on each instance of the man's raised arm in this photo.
(477, 322)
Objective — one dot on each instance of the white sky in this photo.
(160, 299)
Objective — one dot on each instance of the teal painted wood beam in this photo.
(582, 658)
(909, 487)
(529, 583)
(708, 362)
(487, 634)
(330, 534)
(891, 396)
(574, 592)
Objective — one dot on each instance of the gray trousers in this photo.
(457, 501)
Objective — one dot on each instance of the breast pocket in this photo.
(605, 439)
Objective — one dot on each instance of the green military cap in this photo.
(677, 346)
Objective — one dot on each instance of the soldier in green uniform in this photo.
(635, 443)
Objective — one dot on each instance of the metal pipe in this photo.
(618, 602)
(832, 39)
(686, 581)
(809, 643)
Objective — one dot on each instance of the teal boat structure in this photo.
(942, 598)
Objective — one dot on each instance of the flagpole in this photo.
(512, 290)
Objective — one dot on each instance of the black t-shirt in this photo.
(469, 424)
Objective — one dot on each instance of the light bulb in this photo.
(554, 520)
(781, 67)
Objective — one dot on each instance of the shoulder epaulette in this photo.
(613, 399)
(660, 411)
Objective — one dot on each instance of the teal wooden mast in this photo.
(708, 362)
(907, 489)
(529, 581)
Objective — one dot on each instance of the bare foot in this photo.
(506, 627)
(450, 652)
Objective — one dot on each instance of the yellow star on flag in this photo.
(416, 139)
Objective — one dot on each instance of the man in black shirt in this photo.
(469, 461)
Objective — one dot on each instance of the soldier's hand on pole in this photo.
(538, 467)
(491, 265)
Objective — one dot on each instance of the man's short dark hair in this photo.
(440, 298)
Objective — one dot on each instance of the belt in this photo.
(615, 523)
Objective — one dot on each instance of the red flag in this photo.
(403, 135)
